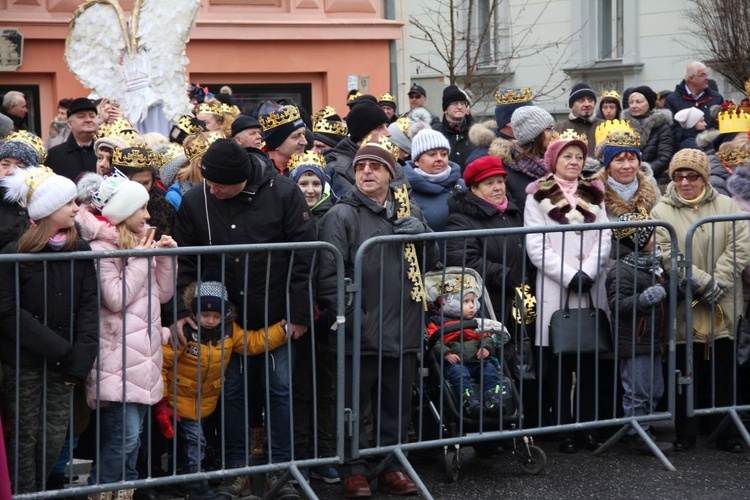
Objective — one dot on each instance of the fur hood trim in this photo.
(646, 197)
(739, 184)
(548, 193)
(645, 125)
(482, 134)
(705, 139)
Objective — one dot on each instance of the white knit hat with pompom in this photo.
(39, 189)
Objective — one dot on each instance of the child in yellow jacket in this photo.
(196, 371)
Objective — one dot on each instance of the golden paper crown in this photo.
(186, 125)
(568, 135)
(35, 179)
(388, 97)
(134, 157)
(609, 126)
(201, 143)
(32, 140)
(623, 139)
(454, 284)
(172, 152)
(232, 110)
(386, 144)
(118, 127)
(735, 158)
(285, 114)
(733, 120)
(324, 113)
(403, 124)
(309, 157)
(354, 96)
(214, 109)
(611, 93)
(513, 96)
(325, 126)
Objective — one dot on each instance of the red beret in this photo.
(481, 168)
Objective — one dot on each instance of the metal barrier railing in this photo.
(295, 262)
(389, 280)
(717, 254)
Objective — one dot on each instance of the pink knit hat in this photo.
(557, 147)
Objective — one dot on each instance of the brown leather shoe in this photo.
(356, 487)
(397, 483)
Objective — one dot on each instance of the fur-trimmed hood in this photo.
(645, 124)
(705, 139)
(590, 194)
(646, 197)
(739, 185)
(482, 134)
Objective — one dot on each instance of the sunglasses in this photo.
(690, 176)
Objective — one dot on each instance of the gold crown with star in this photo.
(569, 135)
(513, 96)
(733, 119)
(609, 126)
(35, 178)
(134, 157)
(285, 114)
(611, 93)
(185, 123)
(214, 109)
(201, 143)
(172, 152)
(354, 96)
(230, 110)
(384, 143)
(403, 124)
(120, 126)
(31, 140)
(325, 126)
(454, 284)
(309, 157)
(623, 139)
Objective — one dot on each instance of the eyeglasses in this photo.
(374, 166)
(690, 176)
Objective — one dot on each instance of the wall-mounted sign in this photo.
(11, 49)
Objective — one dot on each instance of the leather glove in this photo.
(714, 291)
(693, 283)
(651, 296)
(409, 225)
(581, 282)
(163, 414)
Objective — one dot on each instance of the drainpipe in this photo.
(390, 14)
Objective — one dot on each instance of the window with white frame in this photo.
(610, 29)
(492, 14)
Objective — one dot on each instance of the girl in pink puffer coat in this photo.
(126, 379)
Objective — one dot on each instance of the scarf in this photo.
(568, 189)
(529, 165)
(499, 206)
(649, 261)
(692, 203)
(624, 191)
(456, 127)
(434, 178)
(58, 241)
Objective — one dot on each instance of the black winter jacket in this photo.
(339, 166)
(505, 262)
(70, 160)
(680, 99)
(61, 325)
(461, 146)
(271, 209)
(625, 283)
(14, 220)
(655, 128)
(353, 220)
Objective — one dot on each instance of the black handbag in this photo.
(584, 330)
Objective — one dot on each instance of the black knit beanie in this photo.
(226, 163)
(365, 117)
(649, 94)
(580, 90)
(453, 94)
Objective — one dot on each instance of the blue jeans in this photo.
(237, 417)
(191, 445)
(120, 440)
(643, 382)
(460, 376)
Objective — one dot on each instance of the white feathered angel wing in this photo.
(162, 29)
(96, 42)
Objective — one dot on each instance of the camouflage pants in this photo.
(38, 424)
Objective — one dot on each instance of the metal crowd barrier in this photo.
(438, 420)
(159, 457)
(715, 387)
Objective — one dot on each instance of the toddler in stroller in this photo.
(467, 343)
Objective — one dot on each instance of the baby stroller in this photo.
(437, 402)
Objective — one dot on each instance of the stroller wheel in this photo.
(534, 460)
(452, 461)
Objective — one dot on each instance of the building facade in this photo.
(312, 51)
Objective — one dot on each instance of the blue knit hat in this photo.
(211, 295)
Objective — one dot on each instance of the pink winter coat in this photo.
(142, 341)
